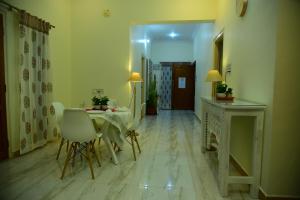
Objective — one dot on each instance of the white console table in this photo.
(216, 119)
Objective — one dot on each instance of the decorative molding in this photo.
(261, 193)
(263, 196)
(238, 166)
(198, 118)
(15, 154)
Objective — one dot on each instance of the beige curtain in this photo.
(36, 120)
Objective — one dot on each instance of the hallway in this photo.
(171, 166)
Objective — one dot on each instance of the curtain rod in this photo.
(11, 7)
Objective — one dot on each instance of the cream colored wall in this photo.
(285, 147)
(11, 68)
(203, 55)
(100, 53)
(101, 46)
(241, 141)
(250, 48)
(138, 50)
(172, 51)
(58, 13)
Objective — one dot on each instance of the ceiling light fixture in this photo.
(143, 41)
(172, 35)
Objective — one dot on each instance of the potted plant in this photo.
(103, 102)
(151, 103)
(221, 89)
(96, 103)
(229, 92)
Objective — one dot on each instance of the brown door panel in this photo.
(3, 120)
(183, 98)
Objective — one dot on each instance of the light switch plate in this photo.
(228, 68)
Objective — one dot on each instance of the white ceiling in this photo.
(184, 31)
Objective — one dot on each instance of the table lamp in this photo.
(213, 76)
(134, 78)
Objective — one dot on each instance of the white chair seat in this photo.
(79, 128)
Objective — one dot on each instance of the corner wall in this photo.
(138, 49)
(262, 48)
(203, 55)
(285, 147)
(250, 47)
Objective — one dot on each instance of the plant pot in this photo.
(151, 110)
(221, 95)
(104, 107)
(97, 107)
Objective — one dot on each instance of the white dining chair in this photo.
(58, 113)
(132, 133)
(78, 128)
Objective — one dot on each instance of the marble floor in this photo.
(171, 166)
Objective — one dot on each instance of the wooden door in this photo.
(143, 86)
(183, 86)
(3, 122)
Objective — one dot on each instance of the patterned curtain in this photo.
(36, 121)
(166, 88)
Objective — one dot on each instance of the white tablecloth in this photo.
(114, 124)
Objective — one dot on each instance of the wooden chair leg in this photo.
(67, 146)
(115, 146)
(60, 146)
(74, 153)
(137, 143)
(67, 161)
(99, 141)
(132, 145)
(89, 159)
(94, 150)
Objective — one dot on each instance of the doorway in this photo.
(143, 92)
(219, 40)
(3, 119)
(183, 87)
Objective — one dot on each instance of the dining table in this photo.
(114, 126)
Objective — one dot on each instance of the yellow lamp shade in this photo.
(135, 77)
(213, 76)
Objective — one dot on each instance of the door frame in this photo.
(3, 12)
(143, 84)
(218, 51)
(193, 64)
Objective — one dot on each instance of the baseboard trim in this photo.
(15, 154)
(238, 166)
(197, 117)
(263, 196)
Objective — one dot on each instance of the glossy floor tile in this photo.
(171, 166)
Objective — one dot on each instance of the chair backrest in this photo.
(77, 126)
(59, 111)
(136, 121)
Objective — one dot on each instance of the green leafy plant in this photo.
(221, 87)
(152, 96)
(96, 101)
(104, 100)
(228, 92)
